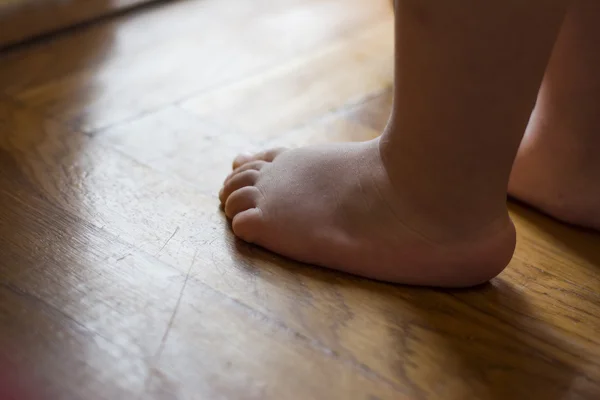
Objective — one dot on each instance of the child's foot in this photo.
(336, 206)
(559, 172)
(557, 169)
(426, 203)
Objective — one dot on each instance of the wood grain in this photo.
(120, 278)
(105, 69)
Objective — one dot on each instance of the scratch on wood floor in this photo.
(163, 341)
(170, 324)
(167, 242)
(123, 257)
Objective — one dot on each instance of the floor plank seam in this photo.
(340, 112)
(284, 65)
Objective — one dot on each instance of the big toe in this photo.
(249, 225)
(241, 202)
(267, 155)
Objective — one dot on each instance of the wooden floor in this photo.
(120, 277)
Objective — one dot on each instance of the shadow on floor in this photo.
(483, 343)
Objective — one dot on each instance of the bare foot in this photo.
(557, 168)
(426, 203)
(335, 206)
(559, 172)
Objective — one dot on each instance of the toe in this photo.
(267, 155)
(242, 159)
(241, 200)
(252, 165)
(248, 224)
(238, 181)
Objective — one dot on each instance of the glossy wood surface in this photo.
(120, 277)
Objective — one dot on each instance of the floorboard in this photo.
(120, 277)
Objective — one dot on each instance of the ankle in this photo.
(443, 208)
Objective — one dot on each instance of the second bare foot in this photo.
(557, 169)
(558, 173)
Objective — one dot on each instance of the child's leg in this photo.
(426, 203)
(558, 165)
